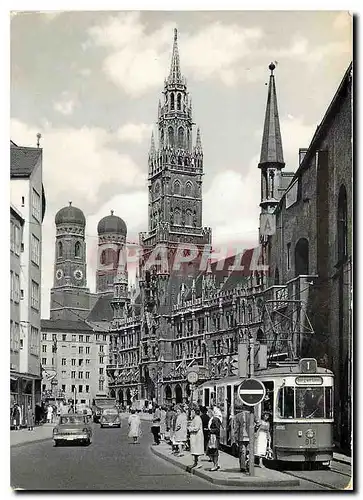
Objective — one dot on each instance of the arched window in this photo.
(302, 257)
(181, 138)
(103, 258)
(162, 138)
(272, 184)
(342, 225)
(176, 187)
(188, 218)
(60, 249)
(77, 249)
(179, 102)
(171, 136)
(177, 217)
(172, 105)
(277, 276)
(188, 189)
(249, 311)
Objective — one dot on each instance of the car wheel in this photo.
(101, 426)
(56, 443)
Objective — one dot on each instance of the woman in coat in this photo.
(180, 434)
(196, 436)
(214, 427)
(162, 422)
(134, 423)
(30, 418)
(16, 416)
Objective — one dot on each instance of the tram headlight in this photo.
(310, 433)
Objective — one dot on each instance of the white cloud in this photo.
(343, 21)
(231, 207)
(79, 161)
(131, 132)
(137, 60)
(65, 105)
(295, 134)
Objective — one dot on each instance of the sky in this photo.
(90, 83)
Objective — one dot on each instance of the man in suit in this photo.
(242, 437)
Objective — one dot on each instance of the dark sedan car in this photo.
(110, 417)
(73, 428)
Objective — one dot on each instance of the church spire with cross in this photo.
(175, 74)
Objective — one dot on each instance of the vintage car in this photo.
(73, 428)
(110, 417)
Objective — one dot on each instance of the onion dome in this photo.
(112, 224)
(70, 215)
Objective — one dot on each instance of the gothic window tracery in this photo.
(171, 136)
(162, 137)
(172, 103)
(179, 102)
(188, 218)
(177, 217)
(176, 187)
(188, 189)
(181, 137)
(60, 249)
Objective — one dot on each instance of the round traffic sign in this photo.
(251, 392)
(192, 377)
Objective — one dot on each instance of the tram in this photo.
(299, 401)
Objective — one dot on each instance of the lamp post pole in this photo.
(252, 410)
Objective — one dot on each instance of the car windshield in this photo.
(110, 411)
(73, 419)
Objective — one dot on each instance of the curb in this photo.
(342, 459)
(24, 443)
(247, 482)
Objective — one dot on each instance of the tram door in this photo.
(229, 405)
(206, 397)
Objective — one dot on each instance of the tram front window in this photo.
(310, 402)
(305, 402)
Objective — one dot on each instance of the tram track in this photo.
(330, 478)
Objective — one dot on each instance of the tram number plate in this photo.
(310, 441)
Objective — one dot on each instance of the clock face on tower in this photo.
(59, 274)
(78, 274)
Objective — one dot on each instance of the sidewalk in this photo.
(344, 459)
(23, 436)
(229, 473)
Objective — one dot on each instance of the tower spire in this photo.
(152, 144)
(198, 142)
(271, 148)
(175, 74)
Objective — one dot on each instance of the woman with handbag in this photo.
(196, 436)
(214, 427)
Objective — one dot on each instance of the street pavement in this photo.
(111, 462)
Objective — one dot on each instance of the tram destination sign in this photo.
(251, 392)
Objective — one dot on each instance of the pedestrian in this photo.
(162, 422)
(134, 423)
(168, 416)
(49, 414)
(196, 436)
(16, 416)
(30, 418)
(173, 418)
(214, 427)
(205, 421)
(38, 414)
(242, 437)
(155, 427)
(180, 434)
(263, 439)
